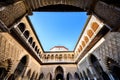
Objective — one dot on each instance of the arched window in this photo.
(80, 47)
(94, 26)
(21, 27)
(33, 45)
(36, 48)
(26, 34)
(20, 69)
(65, 56)
(86, 39)
(83, 43)
(52, 56)
(38, 51)
(90, 33)
(30, 40)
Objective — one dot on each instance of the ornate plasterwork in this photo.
(11, 13)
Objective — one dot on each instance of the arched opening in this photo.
(30, 40)
(36, 77)
(59, 73)
(83, 43)
(89, 74)
(38, 51)
(29, 74)
(49, 76)
(20, 69)
(21, 27)
(94, 26)
(69, 76)
(41, 77)
(59, 77)
(26, 34)
(3, 73)
(90, 33)
(36, 48)
(76, 75)
(86, 39)
(33, 45)
(52, 57)
(81, 76)
(114, 68)
(98, 68)
(33, 76)
(85, 76)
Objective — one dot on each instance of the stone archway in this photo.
(69, 76)
(59, 73)
(41, 76)
(49, 76)
(29, 74)
(20, 69)
(114, 68)
(76, 76)
(5, 67)
(98, 68)
(89, 74)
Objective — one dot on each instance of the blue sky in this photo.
(58, 28)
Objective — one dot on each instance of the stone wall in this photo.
(11, 52)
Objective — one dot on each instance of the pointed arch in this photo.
(59, 73)
(21, 67)
(33, 76)
(41, 76)
(85, 76)
(29, 73)
(30, 40)
(22, 27)
(76, 76)
(90, 33)
(89, 74)
(98, 68)
(69, 76)
(49, 76)
(26, 34)
(113, 67)
(94, 26)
